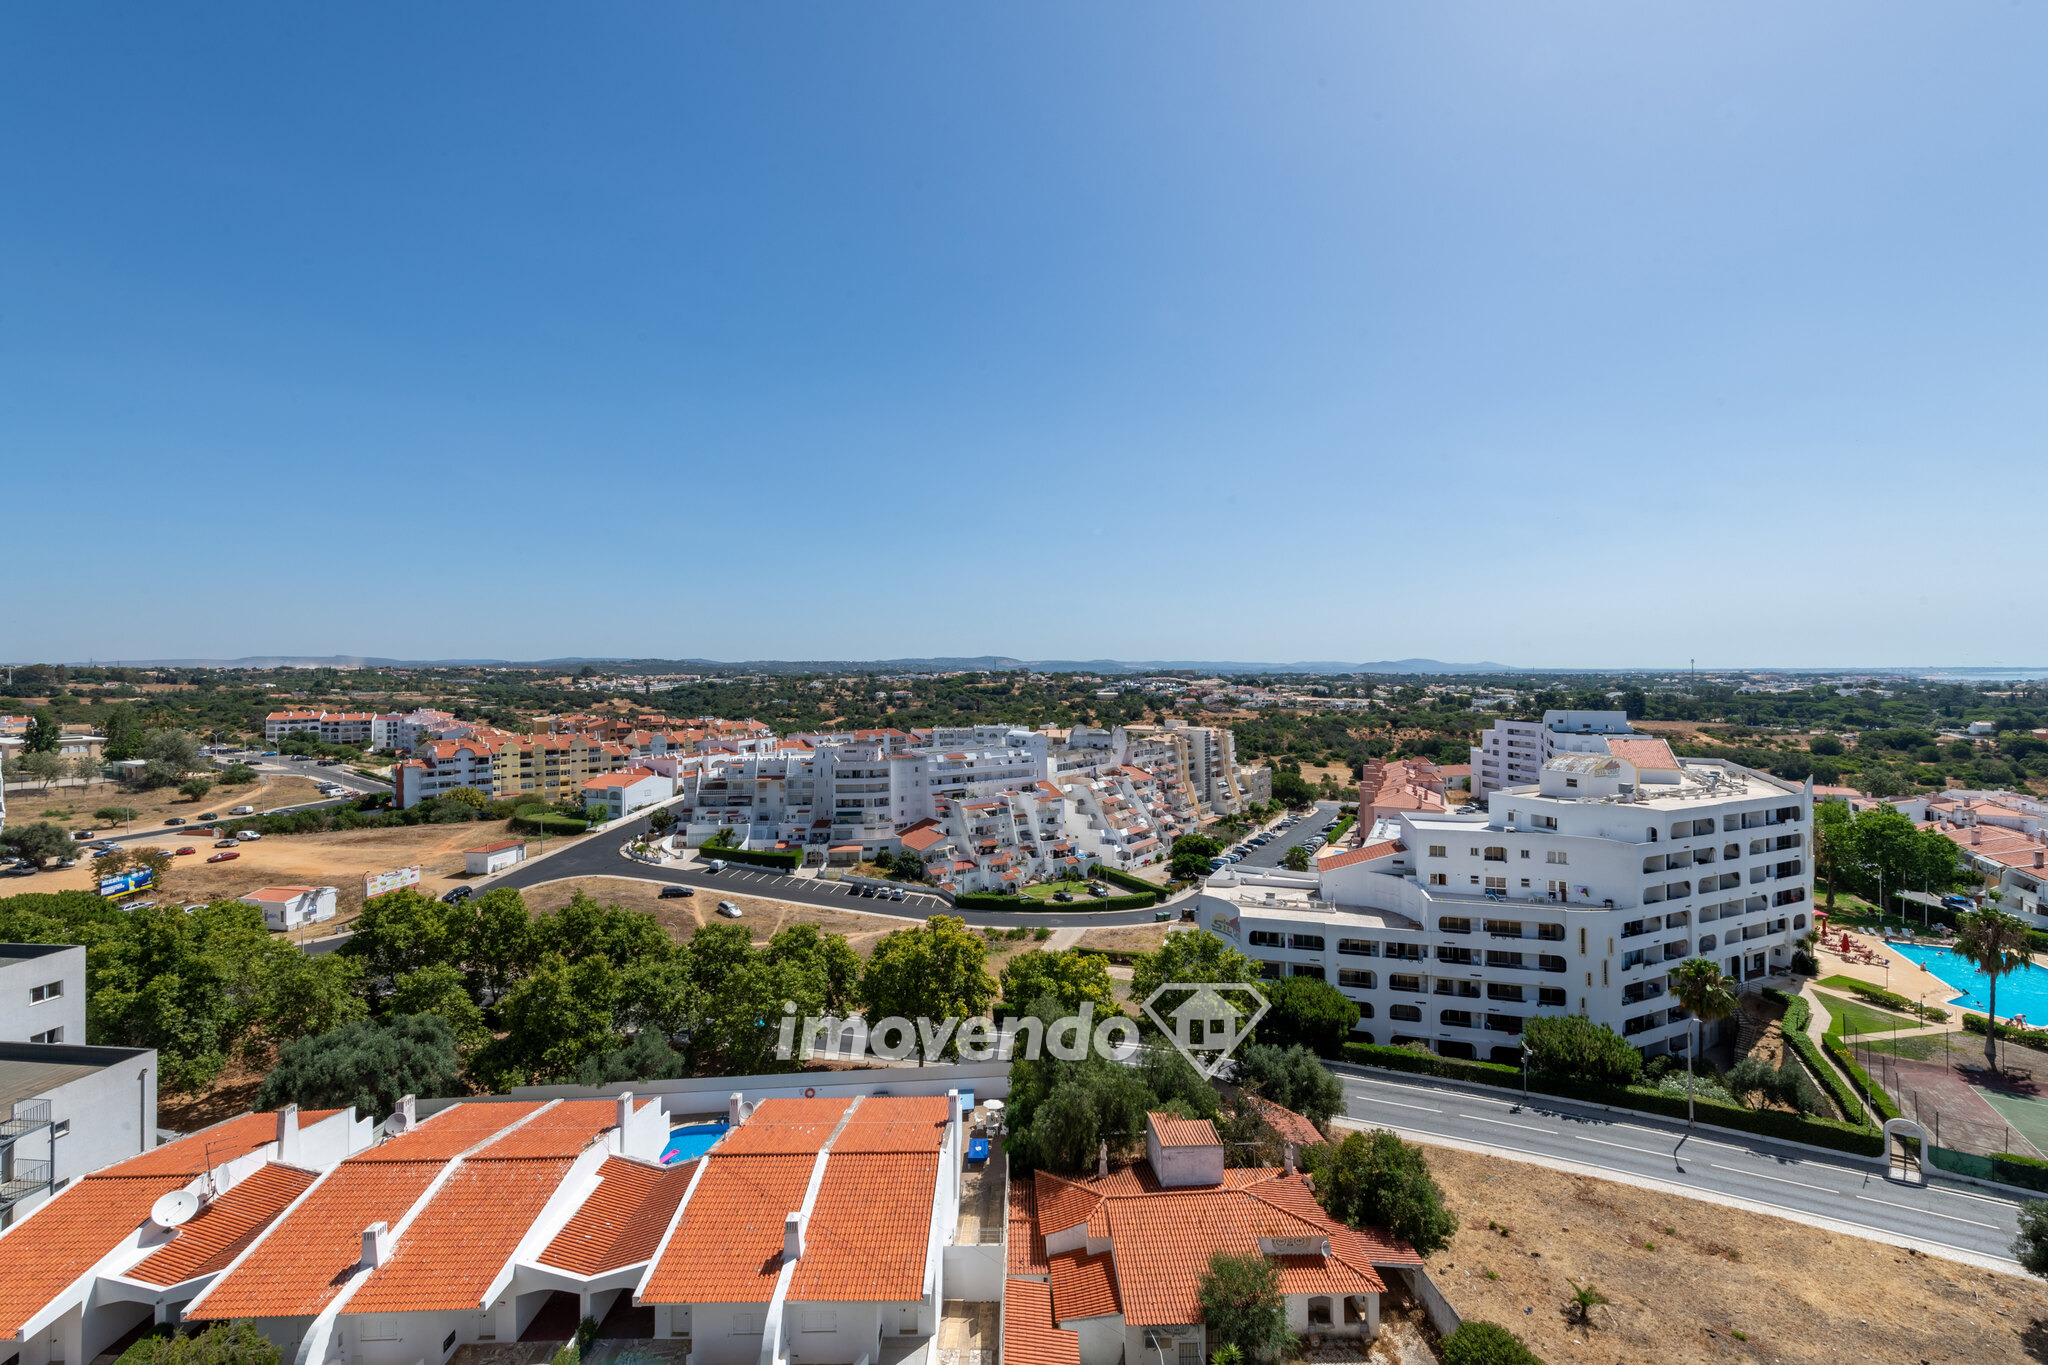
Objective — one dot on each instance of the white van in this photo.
(247, 836)
(243, 810)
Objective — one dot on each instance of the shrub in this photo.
(2007, 1033)
(537, 819)
(1793, 1027)
(1375, 1179)
(224, 1343)
(1878, 995)
(788, 859)
(367, 1064)
(1483, 1343)
(1242, 1307)
(1574, 1046)
(1127, 881)
(1871, 1090)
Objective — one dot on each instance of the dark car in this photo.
(175, 820)
(672, 892)
(867, 891)
(1963, 903)
(1062, 895)
(460, 893)
(81, 835)
(210, 816)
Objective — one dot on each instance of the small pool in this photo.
(690, 1141)
(2022, 992)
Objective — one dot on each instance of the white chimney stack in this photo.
(734, 1116)
(1102, 1160)
(1290, 1158)
(625, 1116)
(376, 1245)
(793, 1237)
(408, 1113)
(288, 1133)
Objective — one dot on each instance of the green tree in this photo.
(111, 863)
(195, 788)
(2030, 1248)
(1376, 1180)
(1997, 945)
(223, 1343)
(188, 985)
(1291, 1077)
(167, 756)
(1308, 1013)
(1573, 1046)
(1242, 1307)
(585, 928)
(1486, 1343)
(505, 945)
(402, 931)
(38, 842)
(44, 733)
(646, 1058)
(826, 960)
(116, 815)
(1706, 995)
(157, 862)
(1066, 975)
(555, 1020)
(1189, 959)
(302, 996)
(41, 765)
(1291, 789)
(659, 997)
(1584, 1299)
(237, 775)
(1834, 840)
(1296, 859)
(439, 989)
(936, 971)
(659, 819)
(468, 796)
(368, 1063)
(1189, 860)
(1826, 745)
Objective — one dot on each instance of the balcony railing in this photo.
(28, 1116)
(29, 1177)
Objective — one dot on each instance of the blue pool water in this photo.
(2022, 992)
(691, 1141)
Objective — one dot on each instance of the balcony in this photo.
(28, 1116)
(30, 1177)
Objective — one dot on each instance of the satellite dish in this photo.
(173, 1209)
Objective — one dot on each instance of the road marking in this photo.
(1962, 1194)
(1623, 1146)
(1775, 1179)
(1914, 1208)
(1481, 1118)
(1367, 1099)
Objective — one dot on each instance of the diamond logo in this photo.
(1210, 1024)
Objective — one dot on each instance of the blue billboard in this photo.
(127, 883)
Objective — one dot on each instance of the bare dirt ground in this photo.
(77, 803)
(1128, 938)
(1696, 1282)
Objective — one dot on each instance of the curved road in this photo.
(1941, 1216)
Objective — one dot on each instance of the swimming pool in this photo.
(2022, 992)
(690, 1141)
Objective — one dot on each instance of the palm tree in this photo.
(1585, 1298)
(1994, 943)
(1707, 994)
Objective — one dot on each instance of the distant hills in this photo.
(988, 663)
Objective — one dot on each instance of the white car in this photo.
(243, 810)
(247, 835)
(728, 909)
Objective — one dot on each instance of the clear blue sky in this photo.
(1593, 335)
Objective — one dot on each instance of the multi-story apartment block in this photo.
(1577, 893)
(401, 732)
(1513, 752)
(334, 727)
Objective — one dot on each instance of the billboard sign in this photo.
(127, 883)
(377, 883)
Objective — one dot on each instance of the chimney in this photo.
(1290, 1158)
(376, 1245)
(793, 1237)
(2037, 857)
(408, 1113)
(1102, 1160)
(1976, 835)
(288, 1133)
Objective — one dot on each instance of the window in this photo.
(1267, 938)
(1475, 853)
(38, 994)
(1496, 990)
(1358, 947)
(1406, 1014)
(1191, 1354)
(1439, 879)
(1496, 883)
(1303, 969)
(820, 1320)
(55, 1035)
(1436, 851)
(447, 1343)
(1504, 928)
(60, 1128)
(1454, 1018)
(1496, 854)
(1550, 995)
(1306, 943)
(1410, 984)
(1571, 781)
(745, 1324)
(1454, 924)
(1357, 980)
(1554, 857)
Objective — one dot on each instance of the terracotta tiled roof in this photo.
(1359, 1246)
(1163, 1244)
(895, 1125)
(1175, 1131)
(869, 1230)
(784, 1126)
(1651, 754)
(923, 835)
(622, 1220)
(303, 1260)
(1027, 1241)
(220, 1231)
(561, 1131)
(1363, 855)
(215, 1146)
(1062, 1203)
(727, 1246)
(1029, 1336)
(458, 1243)
(1291, 1127)
(1084, 1286)
(65, 1237)
(450, 1133)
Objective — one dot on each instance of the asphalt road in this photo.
(600, 857)
(1784, 1177)
(1307, 831)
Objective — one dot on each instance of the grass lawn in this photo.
(1043, 891)
(1851, 1017)
(1925, 1047)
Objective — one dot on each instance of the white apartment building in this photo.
(333, 727)
(1577, 893)
(401, 732)
(1513, 752)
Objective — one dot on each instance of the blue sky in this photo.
(1573, 335)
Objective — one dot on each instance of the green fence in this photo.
(2007, 1170)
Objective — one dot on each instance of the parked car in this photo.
(673, 892)
(1962, 903)
(249, 836)
(715, 865)
(1062, 895)
(227, 843)
(243, 810)
(210, 817)
(458, 895)
(270, 753)
(728, 909)
(223, 857)
(868, 891)
(81, 835)
(895, 893)
(185, 851)
(102, 844)
(175, 820)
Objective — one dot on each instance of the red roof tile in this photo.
(869, 1231)
(304, 1259)
(1652, 754)
(727, 1247)
(65, 1237)
(1291, 1127)
(458, 1243)
(1175, 1131)
(623, 1219)
(1163, 1244)
(219, 1232)
(450, 1133)
(1027, 1241)
(1084, 1286)
(561, 1131)
(785, 1126)
(1362, 855)
(1029, 1336)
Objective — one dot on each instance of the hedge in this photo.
(1878, 995)
(1872, 1091)
(546, 822)
(1125, 880)
(2008, 1033)
(993, 900)
(787, 859)
(1816, 1132)
(2025, 1171)
(1793, 1027)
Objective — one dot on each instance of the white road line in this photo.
(1481, 1118)
(1623, 1146)
(1964, 1194)
(1913, 1208)
(1367, 1099)
(1774, 1179)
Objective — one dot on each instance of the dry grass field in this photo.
(1697, 1282)
(73, 806)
